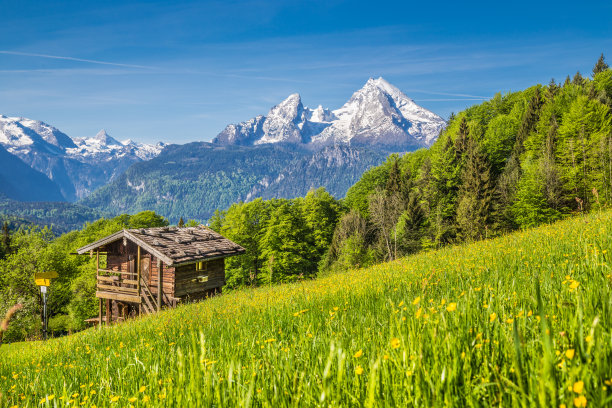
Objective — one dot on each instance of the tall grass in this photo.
(523, 320)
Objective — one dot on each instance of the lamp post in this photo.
(43, 280)
(43, 290)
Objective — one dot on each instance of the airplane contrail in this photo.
(59, 57)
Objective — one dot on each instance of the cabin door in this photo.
(145, 271)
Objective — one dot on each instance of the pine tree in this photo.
(578, 79)
(567, 81)
(552, 90)
(394, 182)
(553, 186)
(528, 123)
(410, 226)
(475, 195)
(445, 176)
(181, 223)
(600, 66)
(462, 136)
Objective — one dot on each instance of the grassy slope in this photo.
(389, 334)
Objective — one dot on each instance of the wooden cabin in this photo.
(142, 270)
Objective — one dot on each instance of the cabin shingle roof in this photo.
(175, 245)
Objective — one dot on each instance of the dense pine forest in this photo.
(516, 161)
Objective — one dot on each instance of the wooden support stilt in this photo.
(160, 277)
(108, 312)
(138, 271)
(98, 274)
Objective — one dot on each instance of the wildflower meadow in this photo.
(521, 320)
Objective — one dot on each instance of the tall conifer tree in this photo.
(475, 195)
(600, 66)
(6, 239)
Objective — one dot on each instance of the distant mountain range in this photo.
(283, 154)
(75, 166)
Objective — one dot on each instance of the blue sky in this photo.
(180, 71)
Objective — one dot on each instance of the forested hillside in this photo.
(193, 180)
(516, 161)
(60, 217)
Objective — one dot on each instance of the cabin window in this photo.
(201, 266)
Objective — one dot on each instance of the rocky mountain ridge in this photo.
(378, 115)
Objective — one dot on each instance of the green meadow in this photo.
(521, 320)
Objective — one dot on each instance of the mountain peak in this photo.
(378, 114)
(105, 139)
(293, 98)
(101, 134)
(384, 86)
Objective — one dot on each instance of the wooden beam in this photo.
(118, 289)
(160, 285)
(117, 296)
(100, 312)
(108, 318)
(119, 272)
(108, 278)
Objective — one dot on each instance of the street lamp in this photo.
(44, 280)
(43, 290)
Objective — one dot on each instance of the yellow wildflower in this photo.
(358, 354)
(578, 387)
(358, 370)
(492, 317)
(569, 353)
(395, 343)
(580, 401)
(451, 307)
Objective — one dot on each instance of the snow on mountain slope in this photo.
(77, 166)
(21, 135)
(102, 145)
(379, 114)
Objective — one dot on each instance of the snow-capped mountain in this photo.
(102, 144)
(379, 114)
(77, 166)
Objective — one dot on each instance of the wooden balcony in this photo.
(118, 285)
